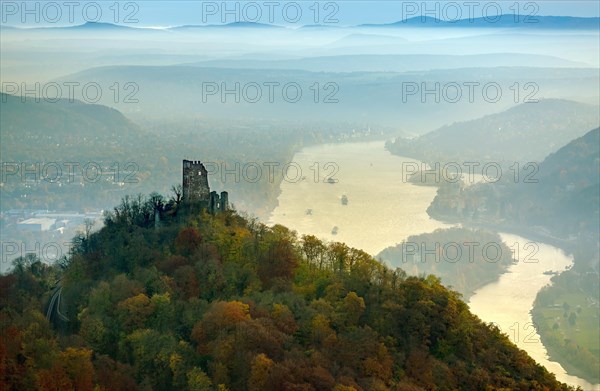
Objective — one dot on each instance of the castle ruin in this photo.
(196, 191)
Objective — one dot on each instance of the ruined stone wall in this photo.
(224, 205)
(196, 192)
(195, 182)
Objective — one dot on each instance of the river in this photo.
(508, 301)
(383, 209)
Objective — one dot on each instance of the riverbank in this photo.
(568, 246)
(555, 349)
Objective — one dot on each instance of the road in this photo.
(54, 304)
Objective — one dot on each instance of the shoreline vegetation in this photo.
(566, 314)
(454, 255)
(556, 353)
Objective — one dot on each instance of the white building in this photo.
(36, 224)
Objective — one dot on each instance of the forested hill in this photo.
(524, 133)
(54, 129)
(201, 302)
(576, 164)
(561, 194)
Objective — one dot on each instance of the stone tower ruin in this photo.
(195, 182)
(218, 203)
(196, 191)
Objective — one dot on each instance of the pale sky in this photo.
(296, 13)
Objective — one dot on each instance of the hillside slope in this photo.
(227, 302)
(61, 129)
(524, 133)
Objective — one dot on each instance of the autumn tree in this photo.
(187, 241)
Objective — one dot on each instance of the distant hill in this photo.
(501, 21)
(562, 194)
(326, 97)
(569, 181)
(391, 62)
(524, 133)
(101, 26)
(61, 128)
(579, 158)
(87, 26)
(247, 25)
(493, 21)
(87, 155)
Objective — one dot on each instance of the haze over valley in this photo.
(287, 195)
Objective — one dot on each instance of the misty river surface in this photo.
(383, 210)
